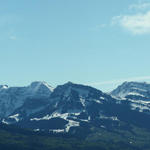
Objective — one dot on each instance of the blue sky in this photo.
(101, 43)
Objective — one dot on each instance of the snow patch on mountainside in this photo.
(57, 130)
(114, 118)
(140, 102)
(82, 100)
(71, 124)
(15, 117)
(139, 89)
(98, 101)
(56, 115)
(36, 130)
(136, 94)
(135, 106)
(4, 122)
(102, 98)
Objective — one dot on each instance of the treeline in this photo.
(12, 138)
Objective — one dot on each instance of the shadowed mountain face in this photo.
(76, 109)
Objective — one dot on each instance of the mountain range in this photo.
(80, 110)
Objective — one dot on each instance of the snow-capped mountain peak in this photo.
(40, 88)
(3, 87)
(132, 88)
(38, 84)
(12, 98)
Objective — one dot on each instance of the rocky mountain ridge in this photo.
(72, 107)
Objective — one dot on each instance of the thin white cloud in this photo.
(137, 22)
(144, 78)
